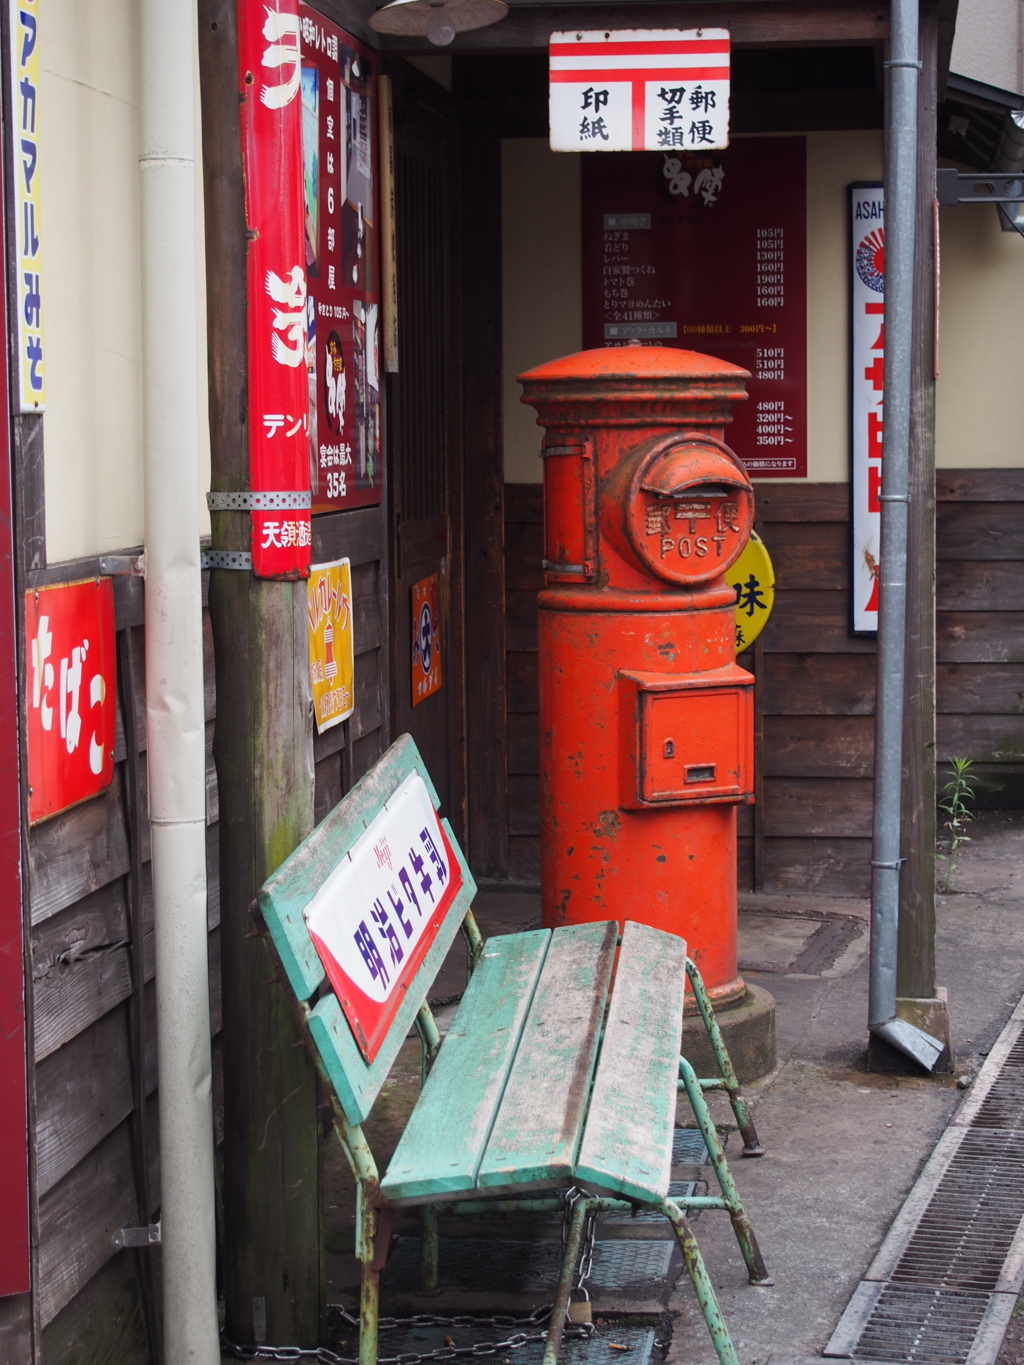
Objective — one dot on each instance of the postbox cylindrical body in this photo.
(646, 721)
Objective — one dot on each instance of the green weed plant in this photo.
(956, 799)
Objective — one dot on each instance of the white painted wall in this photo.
(988, 41)
(980, 390)
(88, 132)
(541, 282)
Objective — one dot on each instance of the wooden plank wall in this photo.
(815, 724)
(81, 880)
(343, 753)
(90, 1147)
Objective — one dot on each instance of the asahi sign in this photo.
(635, 90)
(867, 356)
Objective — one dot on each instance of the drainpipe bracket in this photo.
(137, 1237)
(115, 566)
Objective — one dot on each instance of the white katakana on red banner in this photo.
(270, 76)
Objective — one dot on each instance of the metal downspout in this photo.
(900, 213)
(174, 679)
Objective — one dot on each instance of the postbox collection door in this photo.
(692, 745)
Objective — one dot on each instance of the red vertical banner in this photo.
(270, 79)
(339, 149)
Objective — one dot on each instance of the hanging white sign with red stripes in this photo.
(639, 90)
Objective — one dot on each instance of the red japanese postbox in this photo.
(646, 721)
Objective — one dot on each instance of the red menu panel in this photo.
(339, 159)
(708, 253)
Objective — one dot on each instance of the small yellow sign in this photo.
(331, 643)
(754, 580)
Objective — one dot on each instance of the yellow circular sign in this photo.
(754, 580)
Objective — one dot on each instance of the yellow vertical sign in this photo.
(331, 642)
(24, 29)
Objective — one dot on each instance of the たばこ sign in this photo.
(374, 918)
(70, 652)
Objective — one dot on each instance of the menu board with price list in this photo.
(708, 252)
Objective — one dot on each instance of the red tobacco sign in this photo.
(69, 648)
(270, 77)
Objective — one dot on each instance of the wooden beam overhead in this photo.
(752, 23)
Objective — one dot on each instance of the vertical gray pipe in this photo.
(900, 211)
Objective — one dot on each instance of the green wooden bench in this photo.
(560, 1069)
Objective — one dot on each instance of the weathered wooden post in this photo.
(274, 1278)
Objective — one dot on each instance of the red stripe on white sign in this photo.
(627, 49)
(610, 75)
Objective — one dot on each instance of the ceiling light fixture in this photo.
(436, 20)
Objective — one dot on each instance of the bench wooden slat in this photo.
(356, 1083)
(439, 1153)
(627, 1145)
(284, 896)
(537, 1130)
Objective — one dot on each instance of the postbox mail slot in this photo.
(693, 738)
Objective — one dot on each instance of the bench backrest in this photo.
(361, 895)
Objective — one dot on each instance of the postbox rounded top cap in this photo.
(637, 362)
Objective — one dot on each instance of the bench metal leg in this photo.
(702, 1286)
(728, 1081)
(756, 1270)
(560, 1311)
(429, 1251)
(369, 1303)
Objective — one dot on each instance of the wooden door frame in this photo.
(414, 93)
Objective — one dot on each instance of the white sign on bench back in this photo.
(376, 915)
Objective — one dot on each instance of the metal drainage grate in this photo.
(944, 1283)
(1003, 1106)
(527, 1267)
(931, 1328)
(688, 1147)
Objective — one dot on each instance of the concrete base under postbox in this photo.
(749, 1033)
